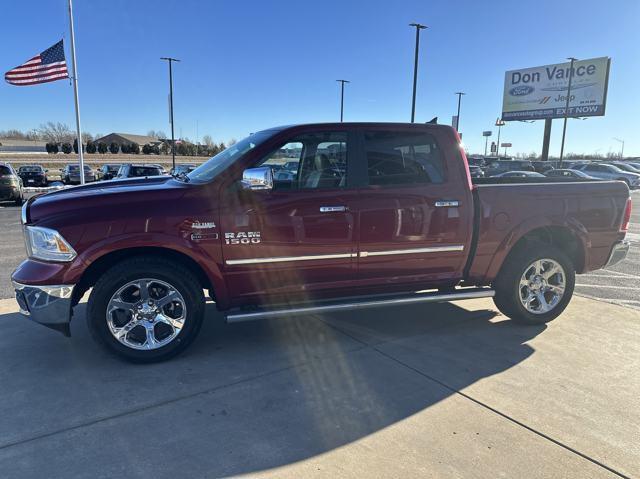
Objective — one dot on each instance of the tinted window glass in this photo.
(314, 160)
(4, 170)
(401, 158)
(144, 171)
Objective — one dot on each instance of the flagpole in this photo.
(75, 94)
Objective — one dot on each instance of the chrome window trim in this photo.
(362, 254)
(431, 249)
(280, 259)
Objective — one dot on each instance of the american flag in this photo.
(50, 65)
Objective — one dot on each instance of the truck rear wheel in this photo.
(535, 284)
(146, 309)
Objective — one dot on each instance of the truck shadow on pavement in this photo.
(245, 397)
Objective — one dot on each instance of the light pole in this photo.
(622, 150)
(566, 109)
(499, 123)
(459, 93)
(173, 139)
(342, 82)
(415, 68)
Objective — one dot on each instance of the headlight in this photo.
(47, 244)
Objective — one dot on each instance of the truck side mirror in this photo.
(260, 178)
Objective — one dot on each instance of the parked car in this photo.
(542, 166)
(403, 219)
(130, 170)
(182, 168)
(70, 175)
(502, 166)
(108, 172)
(569, 173)
(476, 171)
(10, 184)
(634, 164)
(624, 166)
(476, 161)
(519, 174)
(610, 172)
(33, 175)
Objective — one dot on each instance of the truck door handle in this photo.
(332, 209)
(447, 203)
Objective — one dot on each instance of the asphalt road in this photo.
(618, 284)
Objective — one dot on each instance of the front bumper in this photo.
(618, 252)
(47, 305)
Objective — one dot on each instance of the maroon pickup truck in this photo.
(310, 218)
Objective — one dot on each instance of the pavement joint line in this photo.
(605, 300)
(505, 416)
(160, 404)
(610, 286)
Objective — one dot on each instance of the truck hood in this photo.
(95, 197)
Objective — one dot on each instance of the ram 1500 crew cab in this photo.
(311, 218)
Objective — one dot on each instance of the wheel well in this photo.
(560, 237)
(102, 264)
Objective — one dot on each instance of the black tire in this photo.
(508, 289)
(19, 200)
(179, 277)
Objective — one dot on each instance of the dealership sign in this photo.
(541, 92)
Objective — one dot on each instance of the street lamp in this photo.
(566, 108)
(622, 150)
(499, 123)
(342, 82)
(173, 140)
(459, 93)
(415, 68)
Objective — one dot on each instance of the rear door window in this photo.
(403, 158)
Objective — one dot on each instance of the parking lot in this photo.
(446, 390)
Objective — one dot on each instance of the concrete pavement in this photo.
(447, 390)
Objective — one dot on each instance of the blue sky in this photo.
(250, 65)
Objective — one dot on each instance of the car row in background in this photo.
(628, 172)
(70, 174)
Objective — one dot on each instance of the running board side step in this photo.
(430, 297)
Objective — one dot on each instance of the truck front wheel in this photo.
(146, 309)
(535, 284)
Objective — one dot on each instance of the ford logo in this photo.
(521, 90)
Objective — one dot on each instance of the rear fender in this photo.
(575, 227)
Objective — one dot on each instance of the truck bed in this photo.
(588, 212)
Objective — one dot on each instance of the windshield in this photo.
(4, 170)
(30, 169)
(77, 168)
(218, 163)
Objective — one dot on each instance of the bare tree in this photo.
(55, 132)
(86, 137)
(207, 140)
(156, 134)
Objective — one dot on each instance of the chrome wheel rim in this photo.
(542, 286)
(146, 314)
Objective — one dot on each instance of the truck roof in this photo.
(341, 125)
